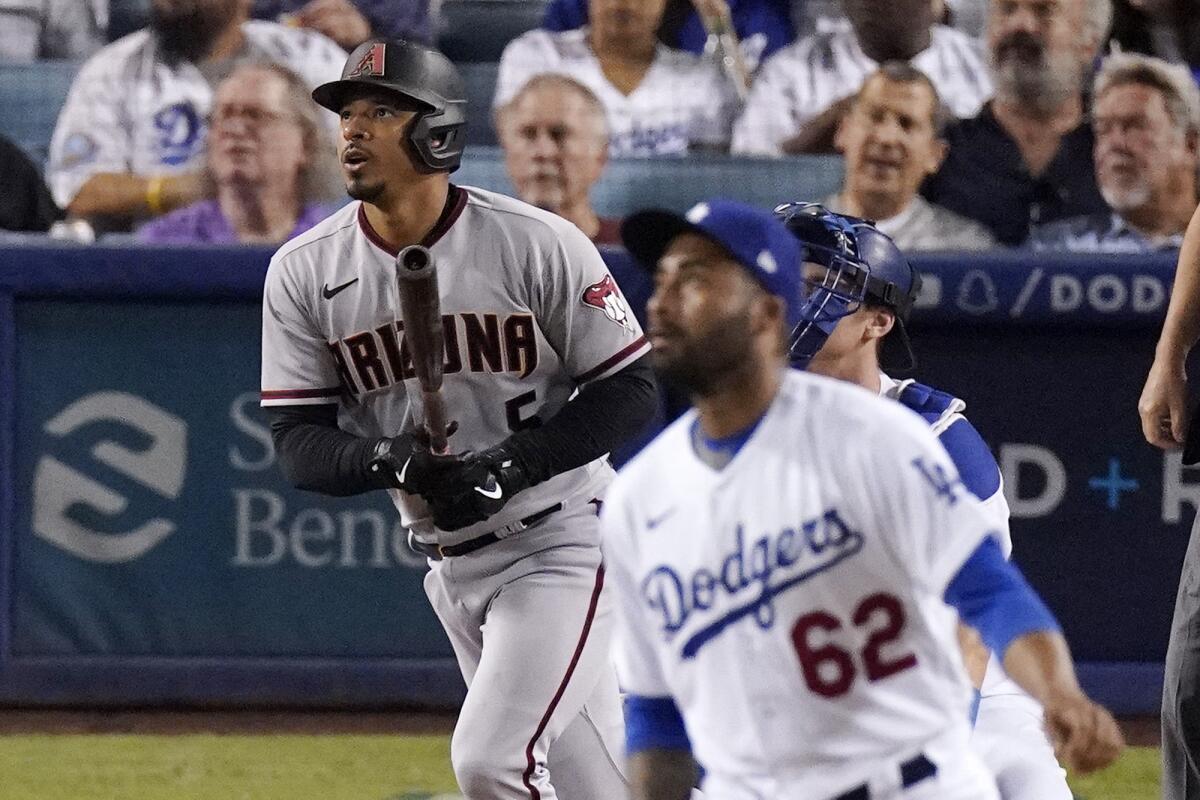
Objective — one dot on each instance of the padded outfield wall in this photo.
(150, 551)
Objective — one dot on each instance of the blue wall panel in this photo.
(150, 552)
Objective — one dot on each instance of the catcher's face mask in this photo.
(830, 293)
(835, 282)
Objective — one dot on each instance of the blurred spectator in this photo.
(25, 203)
(130, 139)
(658, 100)
(794, 104)
(1027, 157)
(555, 142)
(270, 161)
(37, 29)
(1147, 122)
(762, 26)
(892, 140)
(812, 16)
(968, 16)
(1169, 29)
(351, 22)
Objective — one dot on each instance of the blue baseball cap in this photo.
(754, 237)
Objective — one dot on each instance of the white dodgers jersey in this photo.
(791, 601)
(130, 110)
(683, 100)
(529, 313)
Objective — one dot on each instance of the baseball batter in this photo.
(847, 337)
(789, 557)
(544, 374)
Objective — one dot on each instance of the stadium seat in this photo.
(478, 30)
(30, 98)
(677, 184)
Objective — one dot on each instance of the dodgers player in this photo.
(790, 554)
(842, 337)
(544, 374)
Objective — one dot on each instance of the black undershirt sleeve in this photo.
(316, 455)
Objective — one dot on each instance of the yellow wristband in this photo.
(154, 188)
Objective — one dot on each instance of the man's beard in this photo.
(705, 363)
(188, 34)
(366, 192)
(1124, 199)
(1026, 73)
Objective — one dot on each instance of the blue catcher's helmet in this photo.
(862, 265)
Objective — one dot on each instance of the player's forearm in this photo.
(975, 654)
(120, 194)
(1181, 329)
(1040, 663)
(602, 417)
(817, 135)
(662, 775)
(320, 457)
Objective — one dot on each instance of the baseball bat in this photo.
(420, 304)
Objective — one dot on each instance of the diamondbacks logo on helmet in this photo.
(607, 297)
(372, 63)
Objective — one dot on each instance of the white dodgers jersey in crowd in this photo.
(129, 110)
(791, 602)
(529, 313)
(682, 100)
(801, 80)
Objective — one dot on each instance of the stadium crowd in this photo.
(1080, 117)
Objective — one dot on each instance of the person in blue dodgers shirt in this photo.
(849, 341)
(789, 557)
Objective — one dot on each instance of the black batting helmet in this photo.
(421, 75)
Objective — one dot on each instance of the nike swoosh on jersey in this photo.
(494, 494)
(328, 293)
(403, 470)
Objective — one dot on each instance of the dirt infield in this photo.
(1140, 731)
(247, 721)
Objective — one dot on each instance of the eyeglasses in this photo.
(257, 117)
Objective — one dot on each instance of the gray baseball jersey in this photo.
(529, 311)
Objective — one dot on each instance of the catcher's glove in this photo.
(476, 488)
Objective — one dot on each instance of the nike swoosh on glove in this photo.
(405, 463)
(482, 485)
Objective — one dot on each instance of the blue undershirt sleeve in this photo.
(993, 597)
(653, 723)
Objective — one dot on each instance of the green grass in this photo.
(120, 767)
(203, 767)
(1134, 777)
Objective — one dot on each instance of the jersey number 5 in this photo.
(512, 412)
(829, 670)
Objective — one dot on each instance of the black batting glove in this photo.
(482, 484)
(404, 462)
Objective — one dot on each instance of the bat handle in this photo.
(436, 422)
